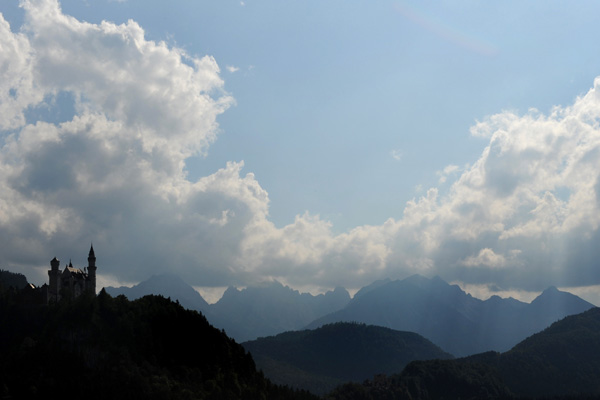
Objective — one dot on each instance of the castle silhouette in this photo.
(71, 282)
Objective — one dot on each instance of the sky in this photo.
(316, 143)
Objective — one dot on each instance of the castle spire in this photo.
(91, 269)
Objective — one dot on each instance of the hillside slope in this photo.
(560, 362)
(112, 348)
(563, 359)
(318, 360)
(270, 309)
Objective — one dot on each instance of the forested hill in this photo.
(12, 280)
(320, 359)
(561, 362)
(563, 359)
(112, 348)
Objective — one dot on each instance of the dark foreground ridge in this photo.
(112, 348)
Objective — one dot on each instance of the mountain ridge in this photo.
(337, 353)
(167, 285)
(560, 362)
(248, 313)
(456, 321)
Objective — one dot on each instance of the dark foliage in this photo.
(103, 347)
(429, 380)
(320, 359)
(12, 280)
(561, 362)
(563, 359)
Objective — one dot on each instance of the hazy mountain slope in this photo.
(453, 319)
(560, 362)
(167, 285)
(563, 359)
(440, 312)
(244, 314)
(320, 359)
(271, 309)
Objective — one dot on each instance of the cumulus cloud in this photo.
(523, 216)
(486, 258)
(447, 171)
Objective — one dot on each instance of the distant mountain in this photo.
(560, 362)
(451, 318)
(166, 285)
(318, 360)
(271, 309)
(245, 314)
(563, 359)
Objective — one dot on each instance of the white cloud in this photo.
(232, 69)
(448, 170)
(485, 258)
(211, 294)
(524, 215)
(17, 87)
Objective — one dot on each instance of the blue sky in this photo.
(350, 117)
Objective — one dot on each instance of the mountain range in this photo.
(454, 320)
(166, 285)
(319, 360)
(99, 347)
(248, 313)
(271, 309)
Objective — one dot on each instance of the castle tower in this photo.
(92, 270)
(54, 280)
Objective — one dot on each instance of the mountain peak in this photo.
(551, 289)
(551, 292)
(555, 302)
(165, 284)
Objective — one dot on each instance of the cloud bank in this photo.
(525, 215)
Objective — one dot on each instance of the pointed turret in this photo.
(91, 269)
(92, 256)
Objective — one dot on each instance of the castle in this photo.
(71, 282)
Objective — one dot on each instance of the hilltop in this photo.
(320, 359)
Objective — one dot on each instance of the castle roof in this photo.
(74, 271)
